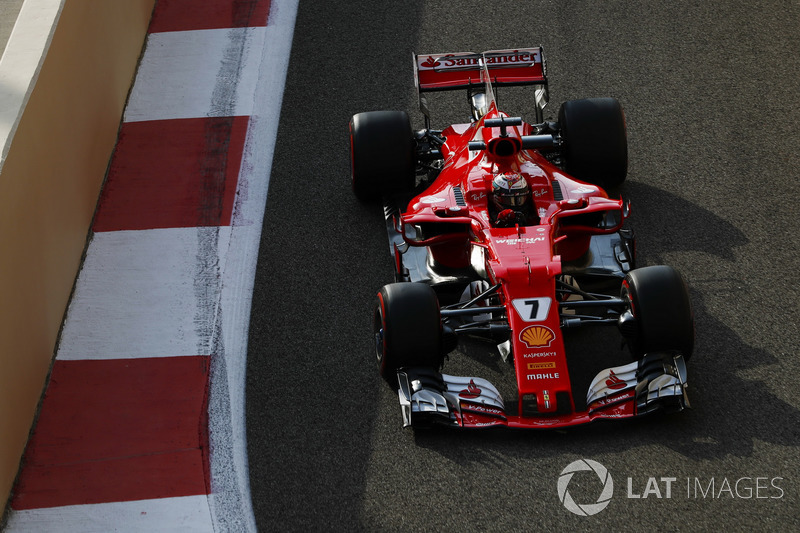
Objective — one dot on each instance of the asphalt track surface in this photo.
(711, 96)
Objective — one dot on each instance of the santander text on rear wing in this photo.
(437, 72)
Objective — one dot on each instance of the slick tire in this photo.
(595, 141)
(658, 299)
(408, 329)
(382, 156)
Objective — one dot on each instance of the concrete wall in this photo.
(50, 179)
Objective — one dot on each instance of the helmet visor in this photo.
(513, 198)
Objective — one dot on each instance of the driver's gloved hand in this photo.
(506, 218)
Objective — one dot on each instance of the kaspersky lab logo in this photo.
(585, 509)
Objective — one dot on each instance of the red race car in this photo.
(503, 230)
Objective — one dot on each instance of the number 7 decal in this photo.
(532, 309)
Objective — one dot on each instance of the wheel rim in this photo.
(380, 335)
(379, 344)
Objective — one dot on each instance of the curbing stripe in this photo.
(173, 174)
(182, 15)
(190, 514)
(118, 430)
(208, 73)
(137, 295)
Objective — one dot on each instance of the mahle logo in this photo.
(585, 509)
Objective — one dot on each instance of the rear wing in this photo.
(468, 70)
(462, 70)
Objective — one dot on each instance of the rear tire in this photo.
(381, 154)
(658, 299)
(595, 140)
(408, 329)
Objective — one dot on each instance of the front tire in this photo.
(382, 156)
(658, 299)
(408, 329)
(595, 140)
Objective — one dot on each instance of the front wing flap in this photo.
(655, 382)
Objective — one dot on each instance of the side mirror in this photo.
(480, 106)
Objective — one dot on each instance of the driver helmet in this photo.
(510, 190)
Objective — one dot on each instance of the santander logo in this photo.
(613, 381)
(429, 63)
(472, 391)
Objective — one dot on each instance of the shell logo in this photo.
(537, 336)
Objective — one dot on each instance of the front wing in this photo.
(657, 382)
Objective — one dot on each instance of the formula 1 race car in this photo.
(503, 230)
